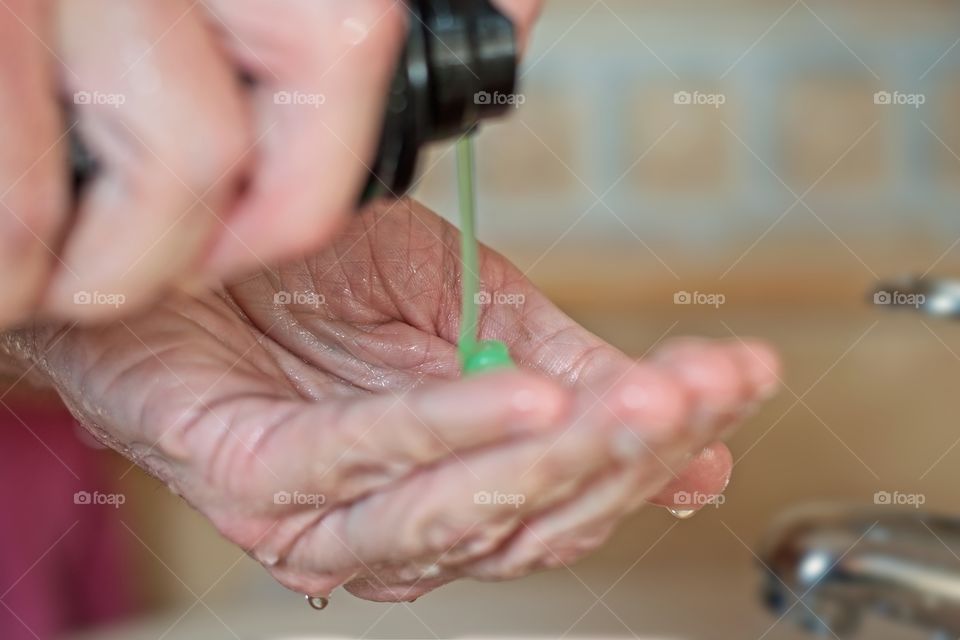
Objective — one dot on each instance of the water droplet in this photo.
(682, 514)
(318, 602)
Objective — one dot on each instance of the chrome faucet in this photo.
(828, 566)
(938, 297)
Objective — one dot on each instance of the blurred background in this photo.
(777, 158)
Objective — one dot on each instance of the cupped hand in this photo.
(199, 175)
(315, 414)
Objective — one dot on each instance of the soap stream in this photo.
(475, 356)
(469, 261)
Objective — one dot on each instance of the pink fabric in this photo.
(61, 563)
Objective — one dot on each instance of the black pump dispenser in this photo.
(458, 67)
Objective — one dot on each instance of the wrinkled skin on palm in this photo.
(316, 416)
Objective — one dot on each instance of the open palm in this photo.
(315, 414)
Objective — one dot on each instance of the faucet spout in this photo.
(828, 566)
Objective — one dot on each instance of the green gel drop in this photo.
(489, 355)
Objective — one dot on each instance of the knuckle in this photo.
(226, 451)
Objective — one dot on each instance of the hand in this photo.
(315, 416)
(199, 177)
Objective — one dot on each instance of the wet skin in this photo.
(345, 391)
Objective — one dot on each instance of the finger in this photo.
(570, 531)
(642, 419)
(341, 450)
(322, 70)
(462, 508)
(645, 397)
(390, 587)
(644, 413)
(561, 535)
(32, 159)
(161, 110)
(715, 375)
(652, 404)
(762, 365)
(705, 477)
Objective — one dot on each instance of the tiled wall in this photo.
(601, 155)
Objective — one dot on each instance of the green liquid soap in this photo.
(475, 356)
